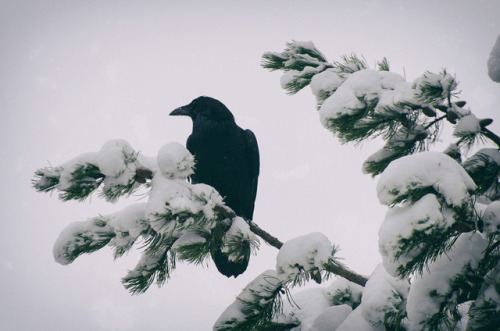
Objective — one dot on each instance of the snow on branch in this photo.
(114, 167)
(119, 230)
(256, 306)
(260, 304)
(434, 297)
(430, 197)
(176, 223)
(357, 103)
(306, 257)
(440, 240)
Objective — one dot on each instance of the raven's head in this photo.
(205, 107)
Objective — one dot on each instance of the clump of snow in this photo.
(169, 198)
(239, 231)
(399, 223)
(264, 286)
(208, 198)
(491, 218)
(442, 81)
(315, 308)
(382, 294)
(306, 307)
(494, 62)
(430, 290)
(325, 83)
(331, 318)
(179, 198)
(289, 77)
(356, 321)
(128, 224)
(116, 160)
(428, 169)
(382, 88)
(303, 254)
(120, 229)
(309, 45)
(351, 292)
(188, 238)
(382, 290)
(467, 125)
(175, 161)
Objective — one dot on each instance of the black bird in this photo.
(227, 158)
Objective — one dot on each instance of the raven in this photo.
(227, 158)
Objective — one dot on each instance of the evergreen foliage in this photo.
(447, 226)
(180, 222)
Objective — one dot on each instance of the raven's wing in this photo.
(252, 153)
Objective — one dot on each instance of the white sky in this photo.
(77, 73)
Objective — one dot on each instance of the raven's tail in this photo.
(227, 267)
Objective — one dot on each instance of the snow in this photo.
(331, 318)
(128, 224)
(379, 295)
(401, 221)
(467, 125)
(494, 62)
(207, 199)
(239, 230)
(428, 291)
(175, 161)
(302, 254)
(188, 238)
(124, 226)
(325, 82)
(290, 77)
(116, 160)
(491, 219)
(263, 285)
(178, 195)
(443, 81)
(313, 307)
(305, 44)
(422, 170)
(385, 89)
(110, 158)
(356, 321)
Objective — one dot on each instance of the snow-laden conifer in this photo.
(441, 234)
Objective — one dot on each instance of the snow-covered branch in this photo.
(178, 221)
(440, 238)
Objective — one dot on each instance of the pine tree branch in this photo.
(348, 274)
(435, 121)
(273, 241)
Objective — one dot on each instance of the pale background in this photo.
(74, 74)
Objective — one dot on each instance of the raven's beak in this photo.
(181, 111)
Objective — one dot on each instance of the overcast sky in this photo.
(74, 74)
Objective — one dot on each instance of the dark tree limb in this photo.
(490, 135)
(273, 241)
(349, 275)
